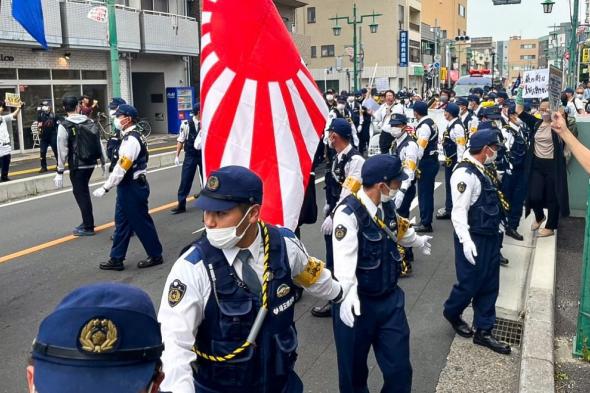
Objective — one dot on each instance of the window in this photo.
(461, 10)
(327, 50)
(65, 74)
(528, 57)
(28, 73)
(314, 52)
(155, 5)
(310, 14)
(415, 55)
(528, 46)
(7, 73)
(123, 2)
(94, 75)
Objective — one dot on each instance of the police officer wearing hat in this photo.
(427, 133)
(454, 141)
(189, 138)
(47, 124)
(476, 219)
(347, 163)
(113, 140)
(228, 304)
(100, 338)
(133, 190)
(465, 114)
(367, 264)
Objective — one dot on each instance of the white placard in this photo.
(371, 104)
(536, 83)
(98, 14)
(382, 84)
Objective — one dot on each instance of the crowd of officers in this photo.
(226, 319)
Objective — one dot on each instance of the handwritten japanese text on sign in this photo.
(536, 83)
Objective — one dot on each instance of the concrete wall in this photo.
(146, 84)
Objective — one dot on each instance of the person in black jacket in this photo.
(47, 133)
(545, 169)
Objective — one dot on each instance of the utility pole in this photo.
(574, 45)
(115, 76)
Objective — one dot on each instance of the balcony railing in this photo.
(11, 31)
(415, 27)
(168, 33)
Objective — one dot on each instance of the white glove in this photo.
(99, 192)
(399, 199)
(58, 180)
(359, 129)
(326, 210)
(177, 161)
(423, 242)
(470, 251)
(350, 307)
(327, 226)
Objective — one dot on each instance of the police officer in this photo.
(346, 163)
(47, 124)
(100, 338)
(427, 133)
(133, 190)
(476, 219)
(228, 303)
(367, 264)
(189, 138)
(465, 114)
(115, 137)
(515, 183)
(454, 141)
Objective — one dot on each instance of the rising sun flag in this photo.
(261, 108)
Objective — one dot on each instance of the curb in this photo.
(537, 358)
(31, 186)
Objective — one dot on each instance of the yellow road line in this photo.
(52, 167)
(65, 239)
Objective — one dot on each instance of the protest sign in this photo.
(12, 100)
(555, 81)
(536, 83)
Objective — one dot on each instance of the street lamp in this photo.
(547, 6)
(354, 21)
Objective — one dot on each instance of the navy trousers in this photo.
(131, 216)
(404, 209)
(448, 173)
(477, 284)
(189, 169)
(329, 253)
(382, 325)
(514, 187)
(294, 385)
(428, 170)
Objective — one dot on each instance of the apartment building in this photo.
(523, 55)
(330, 57)
(156, 39)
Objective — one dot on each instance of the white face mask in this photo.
(580, 96)
(45, 108)
(390, 195)
(224, 238)
(330, 97)
(117, 124)
(350, 100)
(491, 159)
(112, 112)
(397, 131)
(340, 107)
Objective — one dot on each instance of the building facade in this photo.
(502, 61)
(523, 55)
(330, 57)
(449, 15)
(155, 40)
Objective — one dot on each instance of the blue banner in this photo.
(29, 13)
(403, 48)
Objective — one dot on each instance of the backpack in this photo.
(85, 142)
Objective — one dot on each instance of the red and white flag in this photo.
(260, 106)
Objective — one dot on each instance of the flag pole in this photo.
(373, 77)
(115, 76)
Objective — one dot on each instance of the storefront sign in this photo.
(7, 58)
(403, 48)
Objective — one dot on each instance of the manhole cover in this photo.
(508, 331)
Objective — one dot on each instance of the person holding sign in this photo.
(5, 131)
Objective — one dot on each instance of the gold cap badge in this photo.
(213, 183)
(98, 336)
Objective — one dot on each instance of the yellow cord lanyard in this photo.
(261, 313)
(492, 174)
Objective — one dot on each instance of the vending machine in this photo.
(180, 102)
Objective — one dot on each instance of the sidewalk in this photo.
(27, 164)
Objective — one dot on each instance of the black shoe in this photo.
(112, 264)
(324, 311)
(459, 325)
(178, 210)
(513, 234)
(485, 339)
(443, 214)
(4, 179)
(423, 228)
(503, 260)
(43, 170)
(150, 261)
(79, 232)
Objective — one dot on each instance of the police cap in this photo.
(341, 127)
(473, 98)
(382, 168)
(462, 101)
(127, 110)
(228, 187)
(568, 90)
(484, 137)
(116, 102)
(398, 119)
(421, 108)
(477, 90)
(197, 108)
(452, 109)
(492, 96)
(491, 113)
(503, 95)
(101, 338)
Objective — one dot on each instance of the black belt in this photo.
(141, 179)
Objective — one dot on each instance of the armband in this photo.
(125, 163)
(352, 184)
(422, 143)
(310, 274)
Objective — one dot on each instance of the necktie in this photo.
(379, 214)
(249, 276)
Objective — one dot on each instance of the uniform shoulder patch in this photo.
(340, 232)
(461, 187)
(176, 292)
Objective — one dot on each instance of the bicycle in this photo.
(144, 127)
(106, 127)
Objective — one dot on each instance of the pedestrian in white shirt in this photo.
(6, 119)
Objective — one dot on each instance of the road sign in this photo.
(586, 55)
(437, 58)
(436, 65)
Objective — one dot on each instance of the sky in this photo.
(526, 19)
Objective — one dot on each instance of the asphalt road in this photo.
(33, 281)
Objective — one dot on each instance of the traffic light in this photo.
(462, 38)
